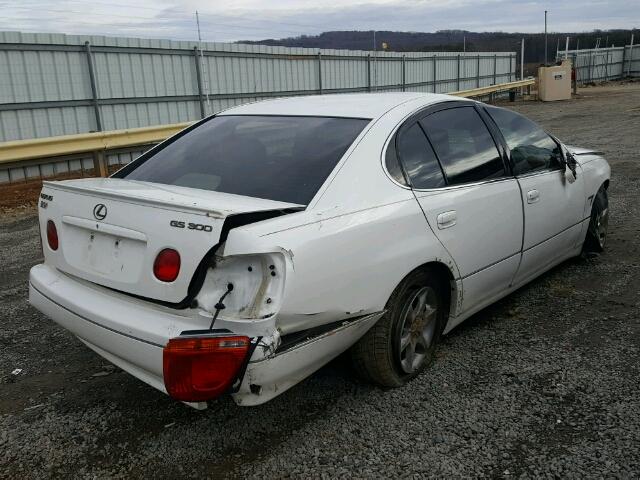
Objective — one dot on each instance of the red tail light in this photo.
(167, 265)
(199, 369)
(52, 235)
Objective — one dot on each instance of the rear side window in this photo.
(464, 145)
(418, 159)
(531, 147)
(393, 164)
(274, 157)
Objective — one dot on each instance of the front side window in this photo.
(282, 158)
(464, 145)
(532, 149)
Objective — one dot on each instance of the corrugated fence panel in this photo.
(38, 76)
(602, 64)
(46, 88)
(420, 71)
(349, 72)
(142, 82)
(45, 122)
(122, 75)
(387, 72)
(147, 114)
(632, 64)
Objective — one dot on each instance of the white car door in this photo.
(553, 207)
(469, 199)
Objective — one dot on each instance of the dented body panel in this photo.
(304, 282)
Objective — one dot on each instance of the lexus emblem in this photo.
(100, 211)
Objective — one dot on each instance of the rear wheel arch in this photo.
(444, 276)
(380, 356)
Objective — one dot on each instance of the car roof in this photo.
(352, 105)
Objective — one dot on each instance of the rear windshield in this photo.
(273, 157)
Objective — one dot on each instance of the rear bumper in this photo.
(98, 320)
(132, 334)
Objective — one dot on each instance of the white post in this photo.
(566, 49)
(630, 57)
(464, 57)
(522, 65)
(522, 59)
(375, 63)
(546, 61)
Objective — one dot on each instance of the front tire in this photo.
(596, 238)
(403, 342)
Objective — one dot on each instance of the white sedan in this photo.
(244, 253)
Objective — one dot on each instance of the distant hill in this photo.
(452, 40)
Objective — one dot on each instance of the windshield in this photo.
(273, 157)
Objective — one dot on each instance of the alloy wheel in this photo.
(418, 329)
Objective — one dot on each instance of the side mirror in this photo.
(570, 173)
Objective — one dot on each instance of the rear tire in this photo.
(403, 342)
(596, 238)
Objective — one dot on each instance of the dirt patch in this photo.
(21, 198)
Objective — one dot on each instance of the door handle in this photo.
(447, 219)
(533, 196)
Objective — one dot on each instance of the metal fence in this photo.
(603, 64)
(54, 84)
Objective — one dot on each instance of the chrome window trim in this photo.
(464, 185)
(536, 173)
(401, 123)
(446, 187)
(383, 156)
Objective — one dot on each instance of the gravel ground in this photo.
(542, 384)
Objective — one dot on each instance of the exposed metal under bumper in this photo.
(267, 378)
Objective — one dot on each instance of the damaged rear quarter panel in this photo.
(343, 266)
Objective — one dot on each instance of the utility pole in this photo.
(203, 65)
(566, 49)
(545, 39)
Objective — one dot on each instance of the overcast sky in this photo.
(230, 20)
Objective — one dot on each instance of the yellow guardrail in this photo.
(478, 92)
(20, 150)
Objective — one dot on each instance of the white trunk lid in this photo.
(111, 230)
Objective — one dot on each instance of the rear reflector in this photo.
(166, 267)
(52, 235)
(200, 369)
